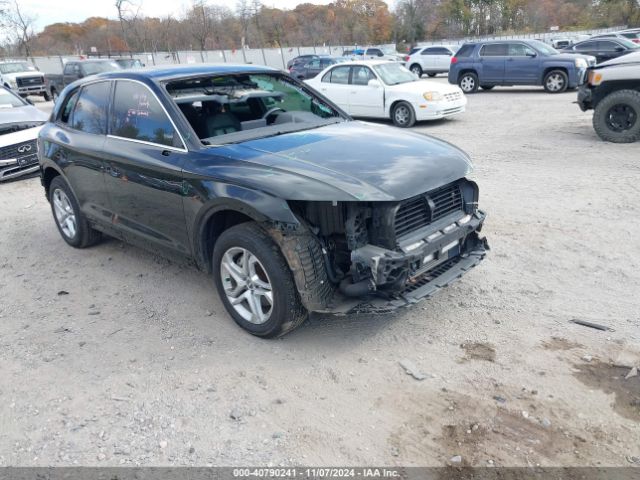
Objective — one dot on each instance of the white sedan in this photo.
(382, 89)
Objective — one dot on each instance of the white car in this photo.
(431, 60)
(381, 89)
(20, 123)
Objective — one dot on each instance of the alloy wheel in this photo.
(247, 285)
(65, 215)
(402, 115)
(621, 117)
(555, 82)
(467, 84)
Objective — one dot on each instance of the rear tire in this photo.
(431, 74)
(403, 115)
(250, 271)
(417, 69)
(617, 117)
(556, 81)
(468, 82)
(71, 222)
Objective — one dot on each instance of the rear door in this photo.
(522, 64)
(590, 47)
(77, 145)
(335, 86)
(365, 100)
(143, 155)
(313, 68)
(493, 57)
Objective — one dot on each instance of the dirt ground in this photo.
(112, 356)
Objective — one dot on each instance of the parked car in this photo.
(128, 62)
(431, 60)
(516, 62)
(314, 66)
(290, 204)
(631, 35)
(560, 43)
(612, 90)
(75, 70)
(300, 59)
(381, 89)
(20, 123)
(603, 48)
(373, 53)
(23, 78)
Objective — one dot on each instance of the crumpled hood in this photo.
(26, 114)
(350, 161)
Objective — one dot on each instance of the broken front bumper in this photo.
(425, 264)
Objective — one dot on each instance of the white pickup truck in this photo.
(23, 78)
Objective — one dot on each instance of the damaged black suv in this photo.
(256, 178)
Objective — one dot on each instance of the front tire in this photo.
(556, 81)
(431, 74)
(468, 82)
(71, 222)
(417, 69)
(403, 115)
(617, 117)
(255, 283)
(46, 97)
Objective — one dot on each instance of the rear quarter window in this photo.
(465, 51)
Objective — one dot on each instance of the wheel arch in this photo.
(548, 70)
(48, 174)
(466, 70)
(612, 86)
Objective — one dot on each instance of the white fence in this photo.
(278, 58)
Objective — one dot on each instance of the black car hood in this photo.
(348, 161)
(26, 114)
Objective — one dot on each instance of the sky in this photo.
(53, 11)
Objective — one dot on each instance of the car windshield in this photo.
(9, 100)
(543, 47)
(236, 108)
(91, 68)
(17, 67)
(129, 63)
(394, 74)
(628, 43)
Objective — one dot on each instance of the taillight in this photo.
(454, 60)
(636, 40)
(406, 58)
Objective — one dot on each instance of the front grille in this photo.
(432, 274)
(420, 211)
(29, 81)
(453, 96)
(13, 151)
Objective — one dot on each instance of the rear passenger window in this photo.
(337, 75)
(361, 75)
(65, 113)
(494, 50)
(90, 113)
(138, 115)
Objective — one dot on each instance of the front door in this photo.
(143, 159)
(522, 64)
(365, 100)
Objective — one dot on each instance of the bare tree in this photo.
(20, 25)
(128, 12)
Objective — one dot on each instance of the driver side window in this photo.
(361, 75)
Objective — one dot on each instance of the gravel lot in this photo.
(138, 364)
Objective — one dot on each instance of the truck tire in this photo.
(556, 81)
(71, 222)
(255, 283)
(402, 115)
(468, 82)
(46, 96)
(417, 69)
(54, 94)
(617, 117)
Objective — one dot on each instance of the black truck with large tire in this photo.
(612, 90)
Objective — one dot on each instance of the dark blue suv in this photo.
(516, 62)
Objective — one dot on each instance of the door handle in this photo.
(166, 153)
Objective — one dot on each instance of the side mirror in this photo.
(380, 54)
(532, 54)
(619, 49)
(374, 83)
